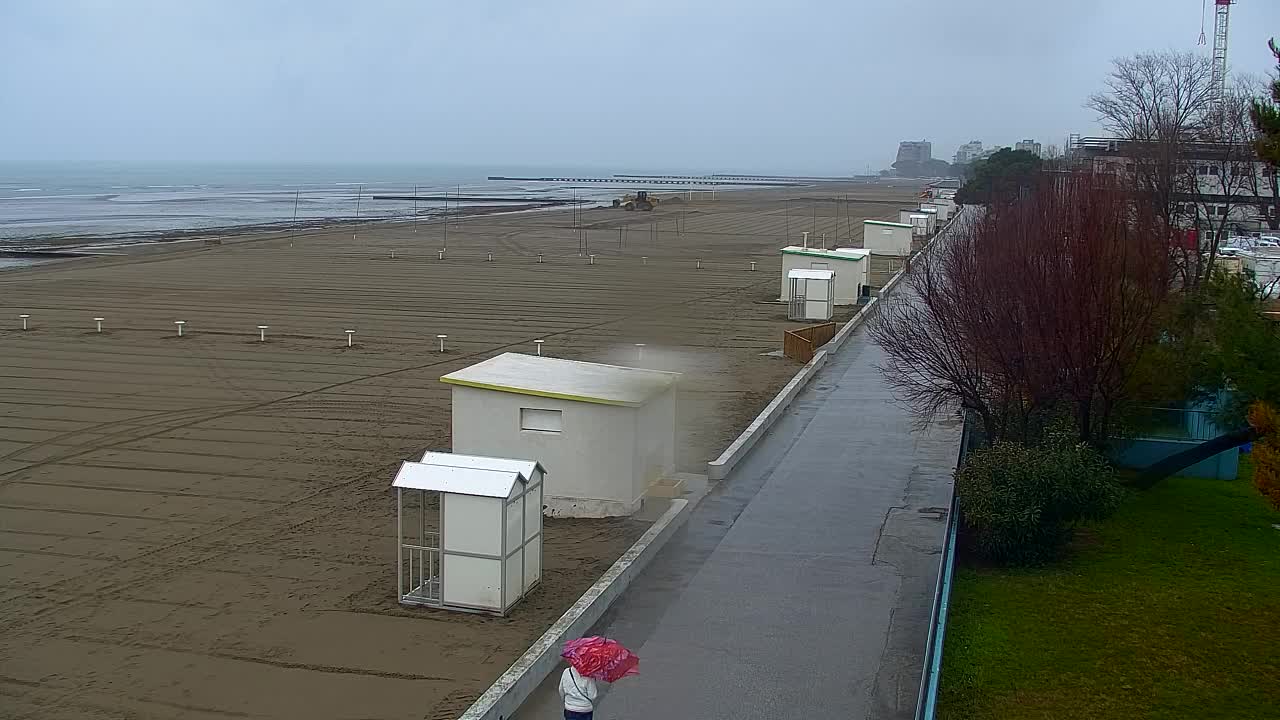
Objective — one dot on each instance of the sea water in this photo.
(115, 202)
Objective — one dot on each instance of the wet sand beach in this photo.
(201, 526)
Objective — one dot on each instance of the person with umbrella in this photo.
(590, 659)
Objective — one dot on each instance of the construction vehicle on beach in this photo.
(640, 201)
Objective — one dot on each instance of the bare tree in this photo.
(1155, 102)
(1220, 181)
(1035, 311)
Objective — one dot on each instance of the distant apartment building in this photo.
(1030, 146)
(915, 151)
(1209, 185)
(991, 151)
(968, 152)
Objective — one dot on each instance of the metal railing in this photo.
(927, 699)
(1176, 424)
(420, 571)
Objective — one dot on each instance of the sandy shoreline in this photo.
(201, 526)
(62, 246)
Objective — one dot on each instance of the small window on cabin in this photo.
(540, 420)
(819, 266)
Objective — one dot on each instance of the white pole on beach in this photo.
(538, 344)
(415, 208)
(753, 267)
(99, 321)
(179, 323)
(262, 333)
(639, 352)
(441, 338)
(24, 317)
(349, 334)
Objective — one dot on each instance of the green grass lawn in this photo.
(1168, 609)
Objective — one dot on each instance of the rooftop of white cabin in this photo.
(833, 253)
(802, 274)
(527, 468)
(457, 480)
(550, 377)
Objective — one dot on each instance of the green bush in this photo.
(1018, 502)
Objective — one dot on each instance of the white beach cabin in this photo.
(608, 431)
(886, 238)
(850, 265)
(486, 550)
(919, 224)
(811, 295)
(932, 212)
(945, 208)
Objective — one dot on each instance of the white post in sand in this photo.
(349, 334)
(262, 333)
(639, 352)
(24, 317)
(179, 323)
(753, 267)
(644, 259)
(393, 254)
(592, 260)
(99, 321)
(805, 244)
(538, 344)
(442, 338)
(699, 264)
(489, 257)
(439, 254)
(539, 257)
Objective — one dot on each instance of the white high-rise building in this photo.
(969, 151)
(1030, 146)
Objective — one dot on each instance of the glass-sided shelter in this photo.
(482, 550)
(811, 294)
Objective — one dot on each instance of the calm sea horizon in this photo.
(117, 201)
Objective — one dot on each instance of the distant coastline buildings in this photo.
(1030, 146)
(968, 152)
(914, 151)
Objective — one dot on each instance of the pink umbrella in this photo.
(601, 658)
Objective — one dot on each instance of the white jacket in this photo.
(579, 693)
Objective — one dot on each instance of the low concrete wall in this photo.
(719, 468)
(1144, 452)
(543, 657)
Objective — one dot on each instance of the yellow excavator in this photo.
(640, 201)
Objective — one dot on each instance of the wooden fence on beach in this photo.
(801, 344)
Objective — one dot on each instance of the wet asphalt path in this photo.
(801, 586)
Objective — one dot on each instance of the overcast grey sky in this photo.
(799, 86)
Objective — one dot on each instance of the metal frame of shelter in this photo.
(425, 585)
